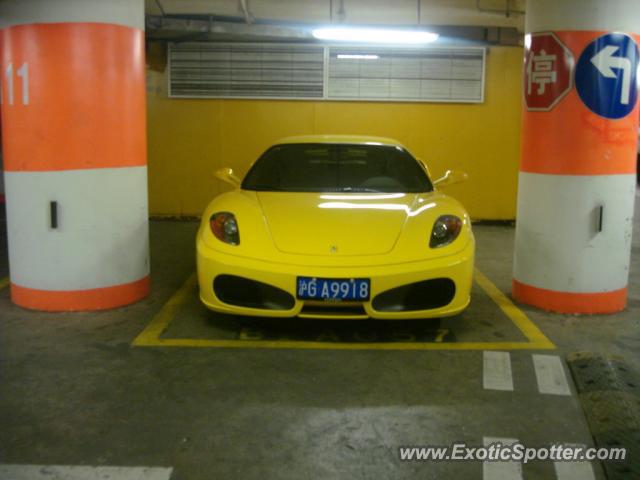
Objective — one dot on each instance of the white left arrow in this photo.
(605, 62)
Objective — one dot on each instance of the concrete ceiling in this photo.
(479, 13)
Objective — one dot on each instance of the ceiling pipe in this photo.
(160, 7)
(506, 12)
(341, 11)
(248, 17)
(207, 28)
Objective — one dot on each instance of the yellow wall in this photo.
(190, 139)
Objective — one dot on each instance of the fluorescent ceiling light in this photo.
(358, 57)
(374, 35)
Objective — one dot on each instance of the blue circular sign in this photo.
(606, 75)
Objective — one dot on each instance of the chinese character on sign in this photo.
(548, 71)
(541, 70)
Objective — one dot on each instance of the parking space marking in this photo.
(574, 471)
(82, 472)
(4, 283)
(517, 316)
(492, 470)
(151, 336)
(496, 371)
(550, 375)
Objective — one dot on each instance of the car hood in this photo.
(339, 224)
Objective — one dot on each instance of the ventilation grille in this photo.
(294, 71)
(246, 70)
(454, 75)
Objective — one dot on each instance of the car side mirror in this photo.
(451, 177)
(227, 176)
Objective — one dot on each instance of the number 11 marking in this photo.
(10, 83)
(23, 74)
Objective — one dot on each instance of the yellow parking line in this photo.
(517, 316)
(151, 335)
(4, 283)
(293, 344)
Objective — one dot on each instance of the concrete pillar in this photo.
(73, 117)
(578, 155)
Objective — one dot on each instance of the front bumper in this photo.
(456, 267)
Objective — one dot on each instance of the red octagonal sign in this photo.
(548, 71)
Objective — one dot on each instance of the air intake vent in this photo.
(425, 295)
(244, 292)
(238, 70)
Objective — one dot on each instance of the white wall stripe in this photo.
(550, 375)
(497, 371)
(574, 471)
(501, 470)
(81, 472)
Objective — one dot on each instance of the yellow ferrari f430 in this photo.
(336, 227)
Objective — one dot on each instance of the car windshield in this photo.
(321, 167)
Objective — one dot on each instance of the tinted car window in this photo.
(337, 168)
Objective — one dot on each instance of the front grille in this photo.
(425, 295)
(356, 311)
(243, 292)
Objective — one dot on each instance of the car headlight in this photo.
(445, 230)
(224, 227)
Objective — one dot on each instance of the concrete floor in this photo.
(74, 391)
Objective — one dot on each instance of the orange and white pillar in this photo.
(578, 155)
(73, 119)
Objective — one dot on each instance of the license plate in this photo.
(333, 289)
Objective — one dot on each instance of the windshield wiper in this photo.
(359, 190)
(264, 188)
(271, 188)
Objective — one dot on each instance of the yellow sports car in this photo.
(336, 227)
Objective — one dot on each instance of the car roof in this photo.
(349, 139)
